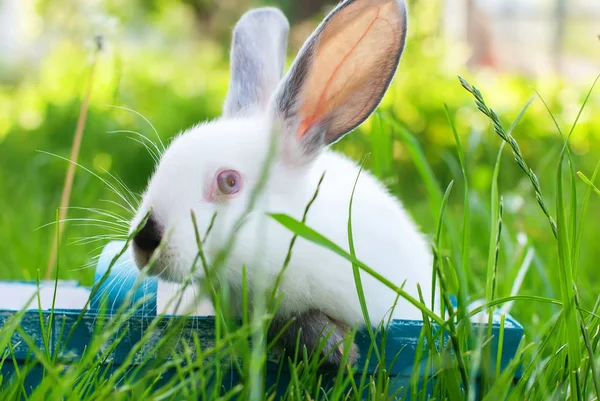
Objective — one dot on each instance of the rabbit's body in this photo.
(337, 80)
(385, 237)
(400, 254)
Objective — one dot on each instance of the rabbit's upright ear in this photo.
(342, 71)
(258, 50)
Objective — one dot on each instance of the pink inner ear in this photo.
(323, 97)
(305, 124)
(354, 59)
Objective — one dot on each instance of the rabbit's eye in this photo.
(229, 182)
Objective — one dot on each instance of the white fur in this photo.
(385, 237)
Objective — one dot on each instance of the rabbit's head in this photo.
(337, 80)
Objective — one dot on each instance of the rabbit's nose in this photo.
(147, 240)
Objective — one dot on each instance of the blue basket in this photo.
(113, 294)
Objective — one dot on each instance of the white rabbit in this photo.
(337, 80)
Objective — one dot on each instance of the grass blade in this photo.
(311, 235)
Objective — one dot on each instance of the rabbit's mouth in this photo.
(146, 244)
(161, 259)
(159, 263)
(149, 236)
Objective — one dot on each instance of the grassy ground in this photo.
(533, 259)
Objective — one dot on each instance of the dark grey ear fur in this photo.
(257, 60)
(313, 326)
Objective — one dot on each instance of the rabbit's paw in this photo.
(315, 331)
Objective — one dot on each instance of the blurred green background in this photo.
(168, 60)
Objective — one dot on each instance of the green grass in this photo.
(482, 257)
